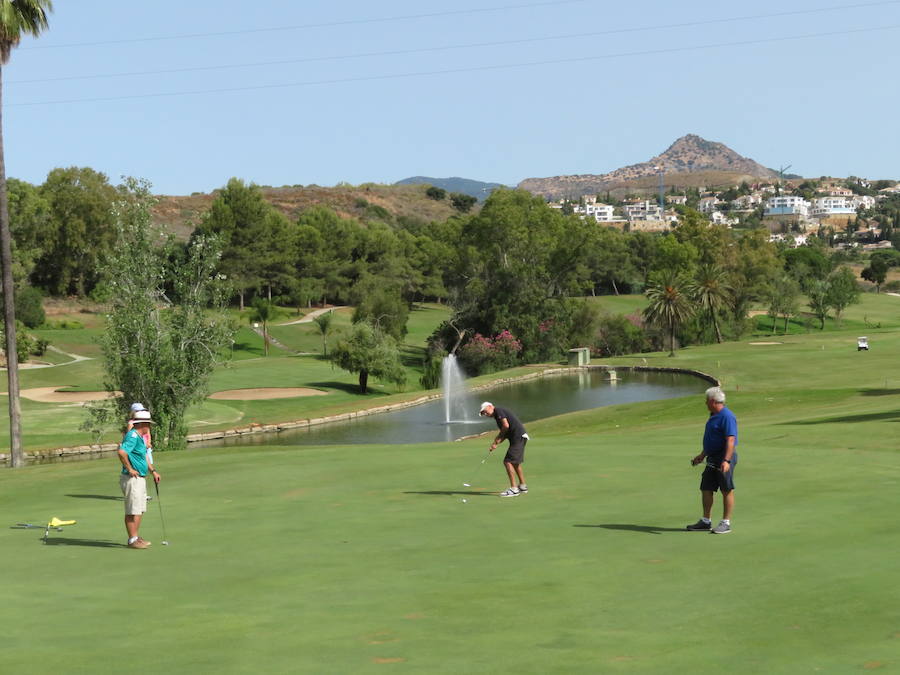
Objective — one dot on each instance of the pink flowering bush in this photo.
(483, 354)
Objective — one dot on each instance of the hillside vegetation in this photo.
(369, 201)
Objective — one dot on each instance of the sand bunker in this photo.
(265, 393)
(52, 395)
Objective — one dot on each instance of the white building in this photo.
(823, 207)
(746, 202)
(642, 210)
(862, 201)
(786, 205)
(709, 204)
(602, 213)
(676, 199)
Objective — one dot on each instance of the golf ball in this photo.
(464, 501)
(467, 485)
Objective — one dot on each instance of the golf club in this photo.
(165, 541)
(475, 473)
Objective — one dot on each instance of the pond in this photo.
(529, 400)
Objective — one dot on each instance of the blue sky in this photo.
(189, 94)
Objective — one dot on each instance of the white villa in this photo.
(786, 205)
(822, 207)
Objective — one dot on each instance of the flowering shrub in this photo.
(483, 354)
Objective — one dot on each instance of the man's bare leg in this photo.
(511, 473)
(727, 504)
(707, 503)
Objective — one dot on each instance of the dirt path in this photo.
(312, 315)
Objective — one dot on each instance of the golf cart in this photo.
(862, 343)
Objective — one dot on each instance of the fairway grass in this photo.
(364, 559)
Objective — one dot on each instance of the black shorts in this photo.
(516, 452)
(713, 479)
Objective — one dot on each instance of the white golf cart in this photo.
(862, 343)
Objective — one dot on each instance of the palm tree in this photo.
(669, 305)
(263, 311)
(711, 292)
(323, 321)
(17, 18)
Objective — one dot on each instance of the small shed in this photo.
(580, 356)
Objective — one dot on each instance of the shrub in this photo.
(485, 355)
(435, 193)
(29, 306)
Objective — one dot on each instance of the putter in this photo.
(165, 541)
(475, 474)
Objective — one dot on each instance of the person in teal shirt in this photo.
(132, 479)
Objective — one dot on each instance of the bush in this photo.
(619, 334)
(29, 306)
(435, 193)
(485, 355)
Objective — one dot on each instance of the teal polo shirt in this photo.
(134, 446)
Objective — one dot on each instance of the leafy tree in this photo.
(79, 233)
(17, 18)
(29, 215)
(323, 322)
(710, 290)
(263, 311)
(243, 221)
(843, 291)
(784, 294)
(462, 202)
(818, 301)
(435, 193)
(366, 350)
(876, 272)
(519, 261)
(160, 347)
(805, 264)
(379, 302)
(669, 305)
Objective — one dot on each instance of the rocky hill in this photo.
(682, 162)
(366, 202)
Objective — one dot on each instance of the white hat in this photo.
(485, 406)
(137, 406)
(141, 416)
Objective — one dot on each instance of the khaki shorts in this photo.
(135, 491)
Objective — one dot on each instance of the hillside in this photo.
(474, 188)
(179, 214)
(690, 161)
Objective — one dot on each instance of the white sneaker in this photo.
(510, 492)
(523, 488)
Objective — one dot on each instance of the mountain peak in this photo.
(689, 154)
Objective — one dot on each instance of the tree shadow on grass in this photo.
(350, 388)
(97, 543)
(647, 529)
(450, 493)
(112, 498)
(893, 415)
(879, 392)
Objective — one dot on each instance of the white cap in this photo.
(484, 406)
(137, 406)
(141, 416)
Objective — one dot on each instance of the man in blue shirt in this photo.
(719, 451)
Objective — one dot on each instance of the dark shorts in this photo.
(516, 452)
(713, 479)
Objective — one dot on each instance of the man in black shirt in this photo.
(513, 430)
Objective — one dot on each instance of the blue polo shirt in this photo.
(134, 446)
(719, 427)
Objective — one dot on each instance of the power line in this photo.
(329, 24)
(475, 45)
(472, 69)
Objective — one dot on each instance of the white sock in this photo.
(727, 521)
(706, 520)
(131, 540)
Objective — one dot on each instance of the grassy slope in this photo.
(364, 559)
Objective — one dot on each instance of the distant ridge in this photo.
(690, 154)
(475, 188)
